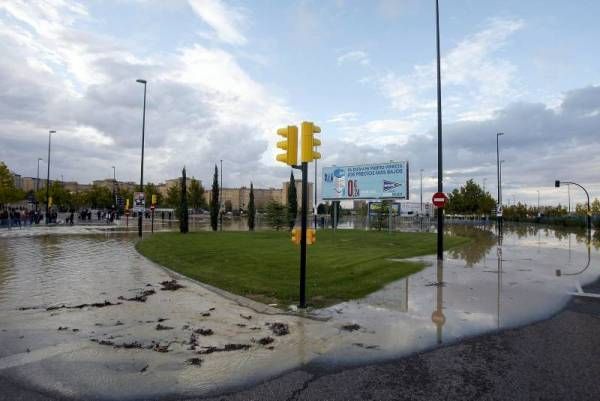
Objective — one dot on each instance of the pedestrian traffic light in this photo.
(290, 145)
(309, 142)
(296, 235)
(311, 236)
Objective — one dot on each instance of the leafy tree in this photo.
(251, 209)
(183, 212)
(196, 195)
(174, 197)
(214, 201)
(292, 202)
(149, 190)
(470, 199)
(97, 197)
(276, 215)
(8, 191)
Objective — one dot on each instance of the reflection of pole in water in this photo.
(404, 305)
(437, 317)
(301, 339)
(499, 253)
(587, 265)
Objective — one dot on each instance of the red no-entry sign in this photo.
(439, 199)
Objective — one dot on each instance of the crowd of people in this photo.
(22, 217)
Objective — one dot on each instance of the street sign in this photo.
(499, 210)
(139, 202)
(439, 199)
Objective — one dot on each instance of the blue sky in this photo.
(223, 75)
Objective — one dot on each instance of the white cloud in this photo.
(224, 20)
(343, 118)
(475, 81)
(355, 56)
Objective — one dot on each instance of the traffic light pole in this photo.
(303, 219)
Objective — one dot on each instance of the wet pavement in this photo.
(83, 315)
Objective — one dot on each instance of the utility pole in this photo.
(48, 179)
(221, 203)
(37, 183)
(499, 202)
(140, 215)
(421, 191)
(440, 215)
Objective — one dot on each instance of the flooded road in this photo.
(82, 314)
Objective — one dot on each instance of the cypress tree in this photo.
(183, 218)
(292, 206)
(251, 209)
(214, 201)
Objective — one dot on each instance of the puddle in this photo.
(79, 308)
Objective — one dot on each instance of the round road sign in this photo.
(439, 199)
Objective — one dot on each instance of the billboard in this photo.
(139, 202)
(367, 181)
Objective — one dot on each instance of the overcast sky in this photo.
(223, 75)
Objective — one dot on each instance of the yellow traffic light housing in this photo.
(289, 145)
(309, 142)
(296, 235)
(311, 236)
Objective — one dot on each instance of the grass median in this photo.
(264, 265)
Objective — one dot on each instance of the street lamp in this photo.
(589, 211)
(440, 215)
(142, 81)
(48, 179)
(114, 183)
(421, 192)
(37, 182)
(498, 174)
(221, 203)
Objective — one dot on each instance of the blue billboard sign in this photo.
(367, 181)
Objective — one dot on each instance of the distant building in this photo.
(239, 197)
(285, 189)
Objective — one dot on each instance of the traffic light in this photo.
(309, 142)
(296, 235)
(311, 236)
(557, 183)
(290, 145)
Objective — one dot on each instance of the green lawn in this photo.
(264, 265)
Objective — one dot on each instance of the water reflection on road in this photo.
(493, 283)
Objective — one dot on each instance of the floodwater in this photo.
(59, 336)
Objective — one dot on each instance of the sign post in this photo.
(139, 206)
(152, 206)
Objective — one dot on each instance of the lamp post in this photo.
(140, 215)
(37, 182)
(421, 201)
(440, 215)
(114, 183)
(221, 203)
(498, 174)
(48, 178)
(538, 208)
(589, 211)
